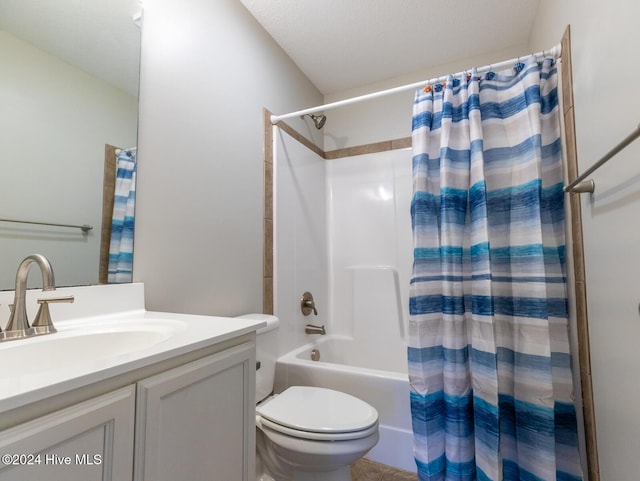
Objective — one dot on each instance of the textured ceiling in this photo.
(98, 36)
(338, 44)
(341, 44)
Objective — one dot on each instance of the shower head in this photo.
(318, 120)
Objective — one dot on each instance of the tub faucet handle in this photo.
(307, 304)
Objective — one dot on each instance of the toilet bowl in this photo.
(306, 433)
(315, 430)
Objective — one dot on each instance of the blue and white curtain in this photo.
(489, 360)
(121, 246)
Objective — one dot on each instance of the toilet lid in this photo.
(319, 410)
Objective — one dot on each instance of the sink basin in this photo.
(79, 343)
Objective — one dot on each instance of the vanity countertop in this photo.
(91, 348)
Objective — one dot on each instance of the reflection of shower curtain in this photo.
(121, 245)
(489, 361)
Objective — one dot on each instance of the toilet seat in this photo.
(318, 414)
(311, 436)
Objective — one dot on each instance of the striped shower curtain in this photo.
(121, 245)
(489, 360)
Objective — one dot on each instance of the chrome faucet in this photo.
(311, 329)
(18, 324)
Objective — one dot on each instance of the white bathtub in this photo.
(377, 378)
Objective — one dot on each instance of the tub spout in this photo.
(311, 329)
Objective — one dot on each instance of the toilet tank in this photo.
(266, 354)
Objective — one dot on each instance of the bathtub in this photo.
(380, 380)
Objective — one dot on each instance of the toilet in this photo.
(305, 433)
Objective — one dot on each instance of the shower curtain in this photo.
(489, 360)
(121, 245)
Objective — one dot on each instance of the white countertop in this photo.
(51, 372)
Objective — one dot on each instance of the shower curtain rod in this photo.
(555, 52)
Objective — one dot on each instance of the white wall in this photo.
(55, 122)
(605, 46)
(300, 233)
(208, 68)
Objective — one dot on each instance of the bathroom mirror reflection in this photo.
(68, 89)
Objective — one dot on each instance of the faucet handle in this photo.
(3, 335)
(307, 304)
(43, 323)
(68, 299)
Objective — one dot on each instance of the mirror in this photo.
(69, 86)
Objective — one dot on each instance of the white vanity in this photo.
(119, 393)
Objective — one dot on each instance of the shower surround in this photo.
(342, 231)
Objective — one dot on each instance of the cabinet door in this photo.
(89, 441)
(197, 422)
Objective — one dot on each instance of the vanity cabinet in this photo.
(92, 440)
(190, 419)
(197, 421)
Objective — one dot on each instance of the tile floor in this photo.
(365, 470)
